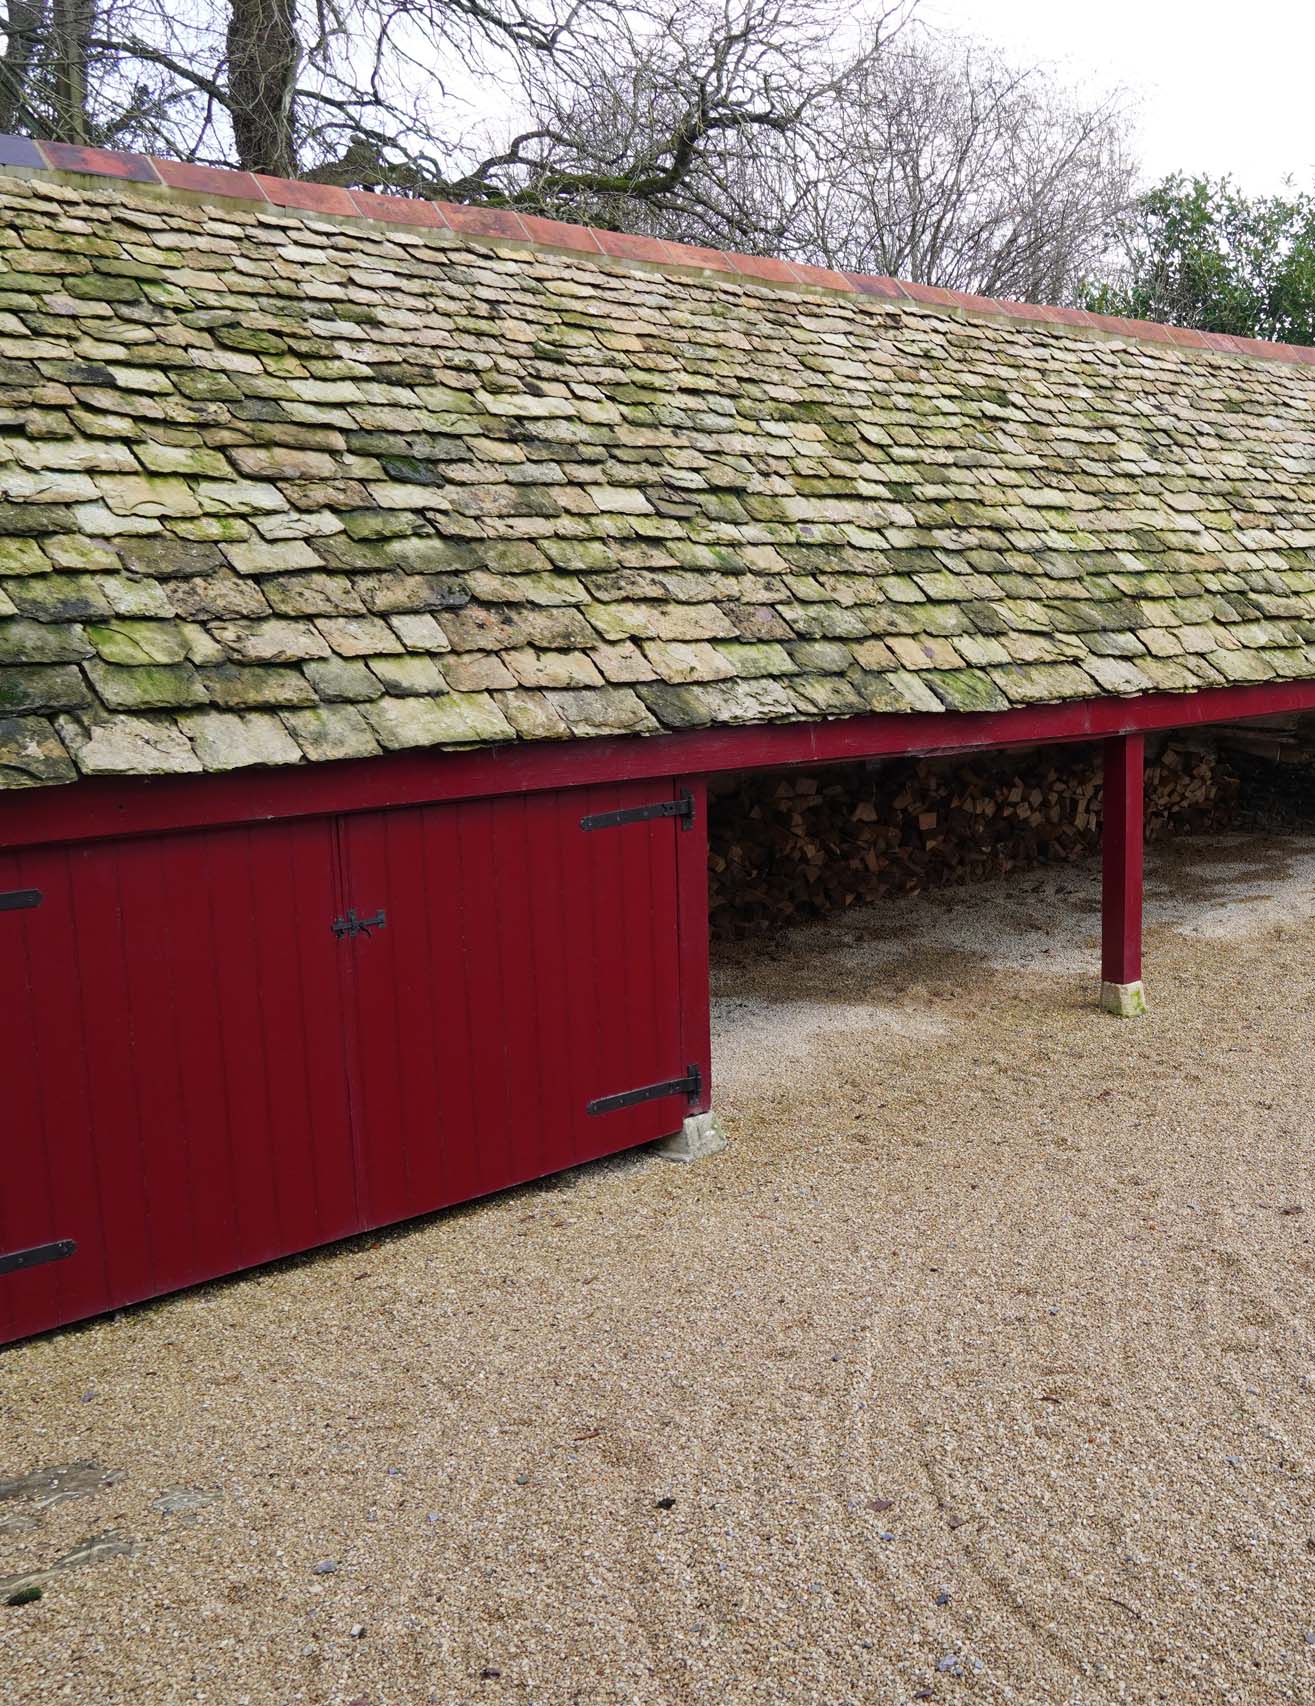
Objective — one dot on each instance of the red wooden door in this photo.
(224, 1046)
(171, 1050)
(526, 967)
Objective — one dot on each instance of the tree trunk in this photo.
(23, 22)
(263, 56)
(70, 26)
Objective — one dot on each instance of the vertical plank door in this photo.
(172, 1051)
(525, 967)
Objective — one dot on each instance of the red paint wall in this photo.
(200, 1076)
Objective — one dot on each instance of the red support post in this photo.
(1121, 877)
(692, 901)
(701, 1133)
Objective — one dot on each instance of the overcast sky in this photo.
(1223, 88)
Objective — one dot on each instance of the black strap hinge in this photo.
(681, 807)
(690, 1085)
(18, 900)
(352, 925)
(14, 1260)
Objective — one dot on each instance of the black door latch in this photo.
(352, 925)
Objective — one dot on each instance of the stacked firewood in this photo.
(797, 845)
(1274, 761)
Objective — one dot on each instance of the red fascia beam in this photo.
(1121, 860)
(96, 809)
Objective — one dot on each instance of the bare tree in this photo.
(791, 126)
(23, 31)
(557, 105)
(944, 163)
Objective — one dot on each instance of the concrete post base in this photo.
(1128, 1000)
(701, 1135)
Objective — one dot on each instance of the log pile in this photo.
(1273, 759)
(797, 845)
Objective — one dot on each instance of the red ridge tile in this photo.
(761, 266)
(1074, 316)
(561, 234)
(1190, 338)
(397, 209)
(695, 255)
(482, 221)
(206, 180)
(100, 162)
(929, 293)
(873, 284)
(806, 273)
(634, 246)
(309, 197)
(1257, 345)
(964, 299)
(1152, 329)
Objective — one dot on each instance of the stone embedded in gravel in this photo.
(185, 1501)
(949, 1665)
(357, 1630)
(325, 1567)
(943, 1598)
(666, 1504)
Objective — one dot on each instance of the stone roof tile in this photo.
(414, 475)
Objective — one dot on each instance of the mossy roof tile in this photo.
(414, 475)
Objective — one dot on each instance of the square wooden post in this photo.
(1121, 989)
(702, 1133)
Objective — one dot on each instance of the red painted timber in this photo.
(1121, 860)
(172, 1051)
(692, 877)
(98, 808)
(525, 966)
(203, 1075)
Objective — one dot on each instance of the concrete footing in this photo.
(1128, 1000)
(701, 1135)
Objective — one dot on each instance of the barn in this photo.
(381, 583)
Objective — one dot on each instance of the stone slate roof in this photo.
(280, 484)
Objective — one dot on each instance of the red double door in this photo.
(226, 1045)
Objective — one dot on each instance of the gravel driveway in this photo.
(979, 1367)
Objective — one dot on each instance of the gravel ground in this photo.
(980, 1366)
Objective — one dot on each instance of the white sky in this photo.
(1222, 88)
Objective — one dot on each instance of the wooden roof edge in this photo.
(24, 156)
